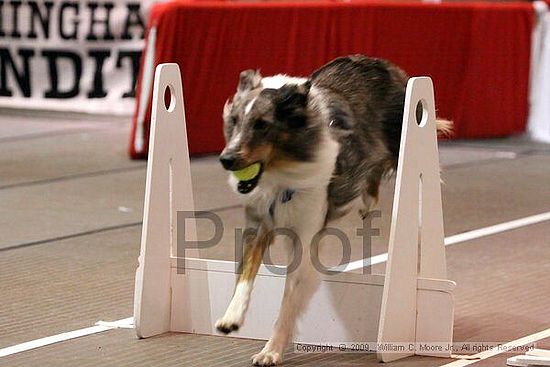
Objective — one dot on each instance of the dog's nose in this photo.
(228, 160)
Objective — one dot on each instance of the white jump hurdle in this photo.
(411, 303)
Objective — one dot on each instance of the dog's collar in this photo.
(285, 197)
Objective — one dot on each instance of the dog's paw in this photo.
(226, 325)
(267, 358)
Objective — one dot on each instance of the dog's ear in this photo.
(227, 107)
(291, 104)
(305, 87)
(249, 79)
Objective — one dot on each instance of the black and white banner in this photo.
(66, 55)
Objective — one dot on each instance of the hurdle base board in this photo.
(347, 305)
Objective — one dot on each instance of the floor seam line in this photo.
(98, 230)
(53, 134)
(72, 177)
(69, 236)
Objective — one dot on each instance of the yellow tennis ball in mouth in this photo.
(248, 173)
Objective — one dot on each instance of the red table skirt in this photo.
(477, 54)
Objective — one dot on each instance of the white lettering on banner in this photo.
(71, 55)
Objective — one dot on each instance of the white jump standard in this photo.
(411, 303)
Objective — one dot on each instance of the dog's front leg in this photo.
(254, 248)
(301, 283)
(299, 287)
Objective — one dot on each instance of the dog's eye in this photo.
(233, 121)
(260, 124)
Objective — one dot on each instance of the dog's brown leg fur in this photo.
(255, 245)
(254, 250)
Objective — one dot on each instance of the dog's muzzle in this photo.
(248, 177)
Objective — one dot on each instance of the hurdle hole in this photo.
(421, 113)
(169, 98)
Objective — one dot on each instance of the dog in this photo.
(323, 144)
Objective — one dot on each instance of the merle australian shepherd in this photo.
(324, 144)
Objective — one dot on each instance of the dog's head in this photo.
(272, 126)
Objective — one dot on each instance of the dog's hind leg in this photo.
(255, 245)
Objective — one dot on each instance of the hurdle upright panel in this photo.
(411, 303)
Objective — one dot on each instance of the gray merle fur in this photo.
(364, 97)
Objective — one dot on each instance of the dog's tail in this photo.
(444, 127)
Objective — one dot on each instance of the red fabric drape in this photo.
(476, 53)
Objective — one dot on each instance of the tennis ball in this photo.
(248, 173)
